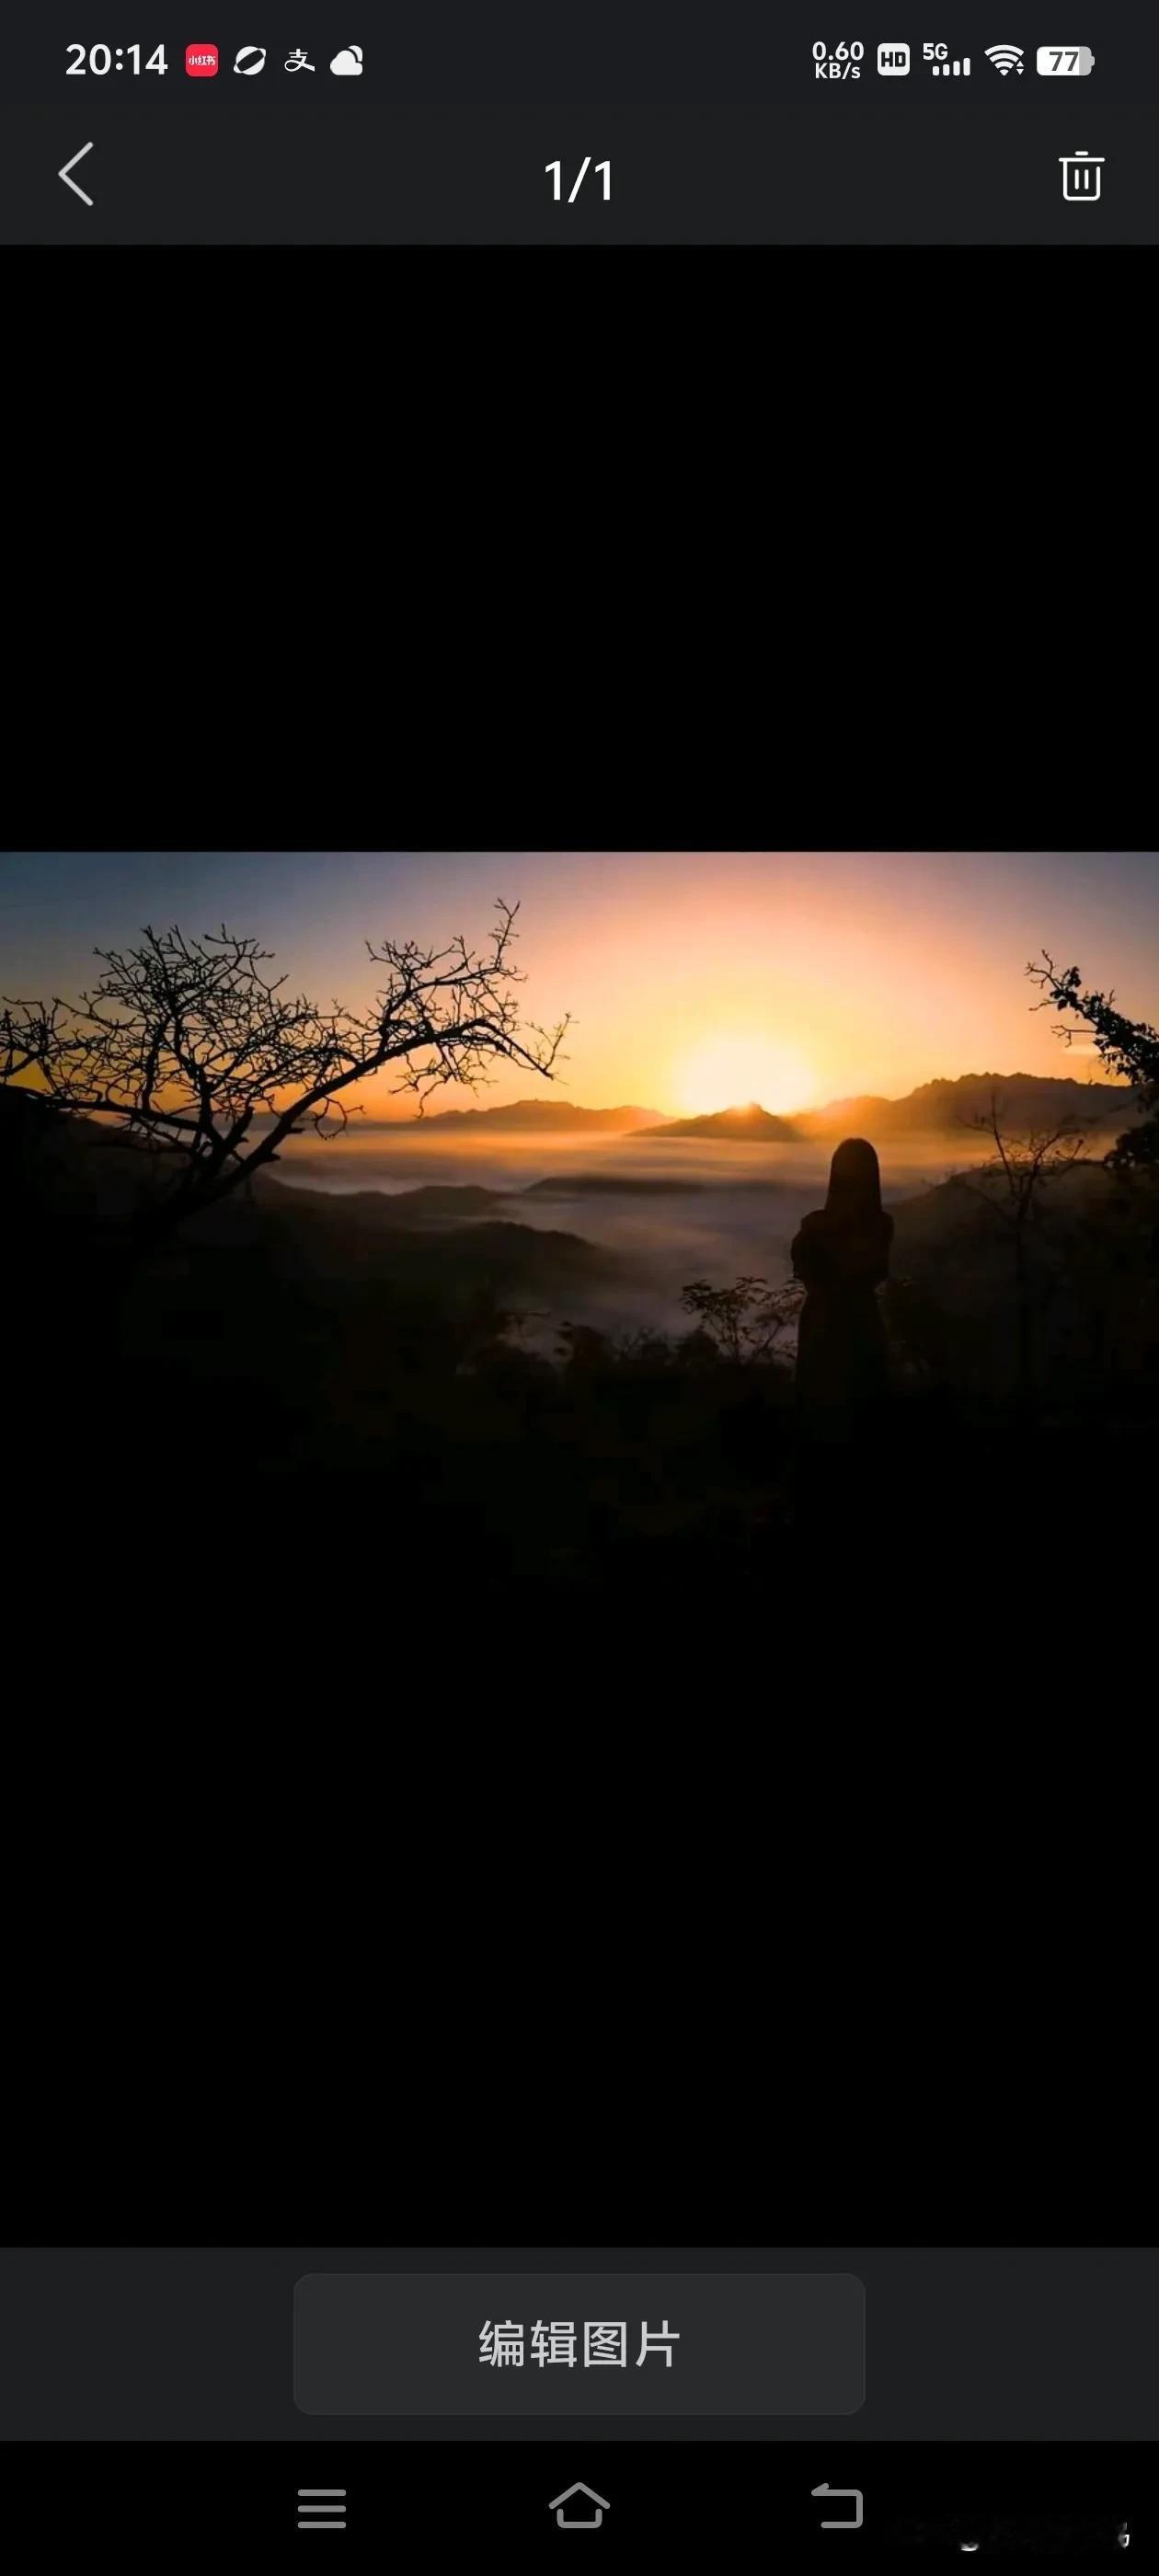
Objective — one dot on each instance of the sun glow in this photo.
(728, 1072)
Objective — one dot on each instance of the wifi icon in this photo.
(1005, 58)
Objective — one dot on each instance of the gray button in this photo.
(851, 2521)
(532, 2343)
(583, 2518)
(321, 2508)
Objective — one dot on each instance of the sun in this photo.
(728, 1072)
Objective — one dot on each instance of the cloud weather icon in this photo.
(348, 64)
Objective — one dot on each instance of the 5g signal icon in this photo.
(1005, 58)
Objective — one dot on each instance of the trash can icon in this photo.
(1081, 176)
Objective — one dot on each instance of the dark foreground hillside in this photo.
(299, 1394)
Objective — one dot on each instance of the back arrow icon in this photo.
(855, 2492)
(71, 165)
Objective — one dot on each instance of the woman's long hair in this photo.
(854, 1183)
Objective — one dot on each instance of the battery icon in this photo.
(1064, 62)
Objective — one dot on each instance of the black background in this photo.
(680, 2505)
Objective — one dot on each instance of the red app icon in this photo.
(201, 61)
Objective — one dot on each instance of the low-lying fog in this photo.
(666, 1212)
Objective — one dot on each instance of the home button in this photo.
(580, 2520)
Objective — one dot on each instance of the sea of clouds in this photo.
(667, 1211)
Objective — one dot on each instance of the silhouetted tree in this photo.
(1021, 1166)
(747, 1320)
(20, 1027)
(1129, 1048)
(188, 1048)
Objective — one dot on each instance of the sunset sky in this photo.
(694, 981)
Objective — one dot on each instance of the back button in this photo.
(71, 165)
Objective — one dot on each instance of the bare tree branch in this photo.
(1023, 1165)
(1129, 1048)
(1024, 1162)
(747, 1320)
(184, 1043)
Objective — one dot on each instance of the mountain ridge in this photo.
(522, 1115)
(941, 1107)
(750, 1125)
(944, 1105)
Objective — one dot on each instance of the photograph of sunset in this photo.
(586, 1217)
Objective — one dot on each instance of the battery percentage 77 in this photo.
(1064, 62)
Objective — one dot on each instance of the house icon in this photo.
(579, 2521)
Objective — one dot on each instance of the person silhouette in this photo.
(841, 1253)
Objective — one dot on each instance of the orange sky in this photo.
(694, 979)
(695, 985)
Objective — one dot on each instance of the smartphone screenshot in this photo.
(592, 125)
(471, 2083)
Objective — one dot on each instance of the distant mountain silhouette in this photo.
(539, 1116)
(65, 1170)
(644, 1185)
(412, 1237)
(953, 1292)
(433, 1205)
(1027, 1101)
(751, 1125)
